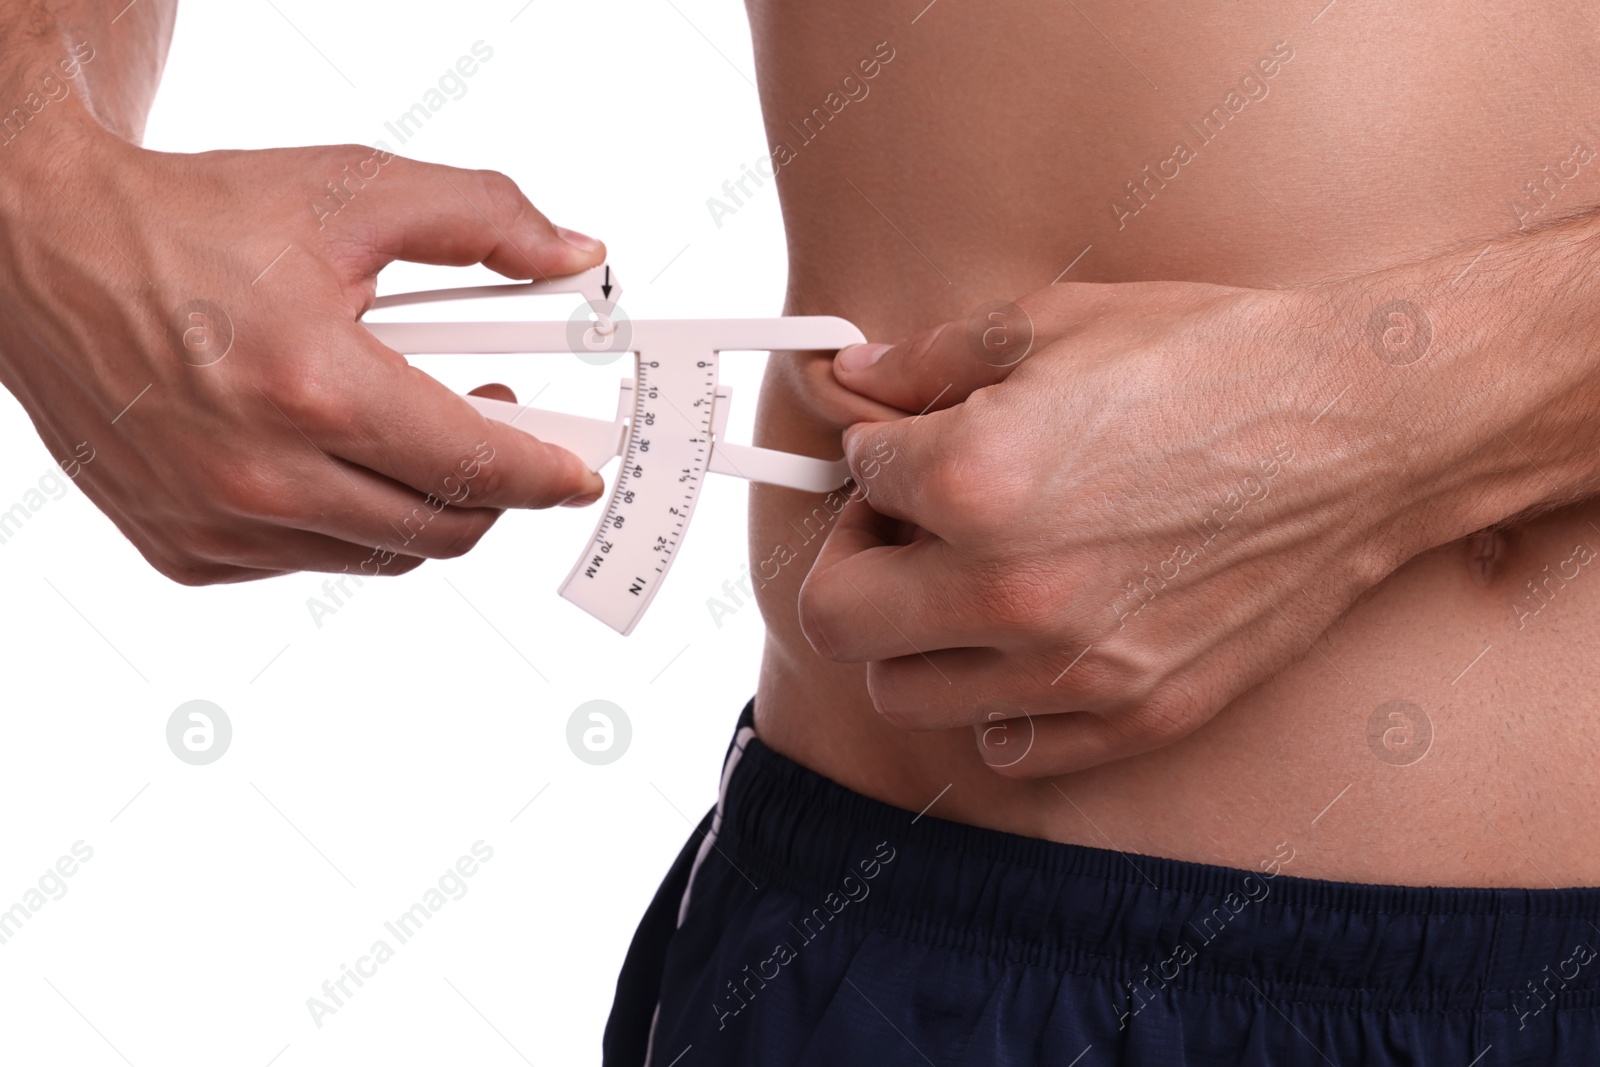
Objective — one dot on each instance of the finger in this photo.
(1071, 741)
(1006, 737)
(938, 368)
(216, 574)
(409, 426)
(913, 469)
(866, 598)
(809, 387)
(374, 511)
(216, 557)
(226, 574)
(285, 550)
(494, 391)
(951, 687)
(424, 213)
(934, 689)
(309, 490)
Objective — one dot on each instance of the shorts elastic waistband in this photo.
(1155, 923)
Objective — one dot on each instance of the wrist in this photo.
(55, 183)
(48, 121)
(1335, 421)
(1471, 383)
(58, 147)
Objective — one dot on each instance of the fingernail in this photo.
(583, 500)
(581, 241)
(860, 357)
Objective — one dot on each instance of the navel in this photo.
(1487, 551)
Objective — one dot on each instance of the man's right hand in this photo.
(192, 319)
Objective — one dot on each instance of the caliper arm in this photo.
(669, 427)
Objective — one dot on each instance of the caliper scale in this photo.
(669, 427)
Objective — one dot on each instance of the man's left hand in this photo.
(1123, 506)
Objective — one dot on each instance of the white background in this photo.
(372, 751)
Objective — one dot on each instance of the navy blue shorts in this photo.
(804, 924)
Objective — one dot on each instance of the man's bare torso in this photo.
(1443, 731)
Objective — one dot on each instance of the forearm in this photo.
(70, 60)
(1469, 381)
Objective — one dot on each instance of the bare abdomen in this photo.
(1442, 731)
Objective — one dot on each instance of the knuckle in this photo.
(815, 620)
(501, 191)
(979, 481)
(473, 531)
(303, 393)
(412, 525)
(1002, 469)
(954, 486)
(1168, 712)
(191, 574)
(868, 452)
(1099, 675)
(487, 483)
(250, 490)
(339, 153)
(204, 546)
(189, 568)
(382, 561)
(343, 156)
(402, 565)
(1018, 601)
(1094, 680)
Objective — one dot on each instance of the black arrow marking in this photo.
(606, 288)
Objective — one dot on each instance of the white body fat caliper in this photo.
(668, 428)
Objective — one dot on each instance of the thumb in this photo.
(942, 366)
(425, 213)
